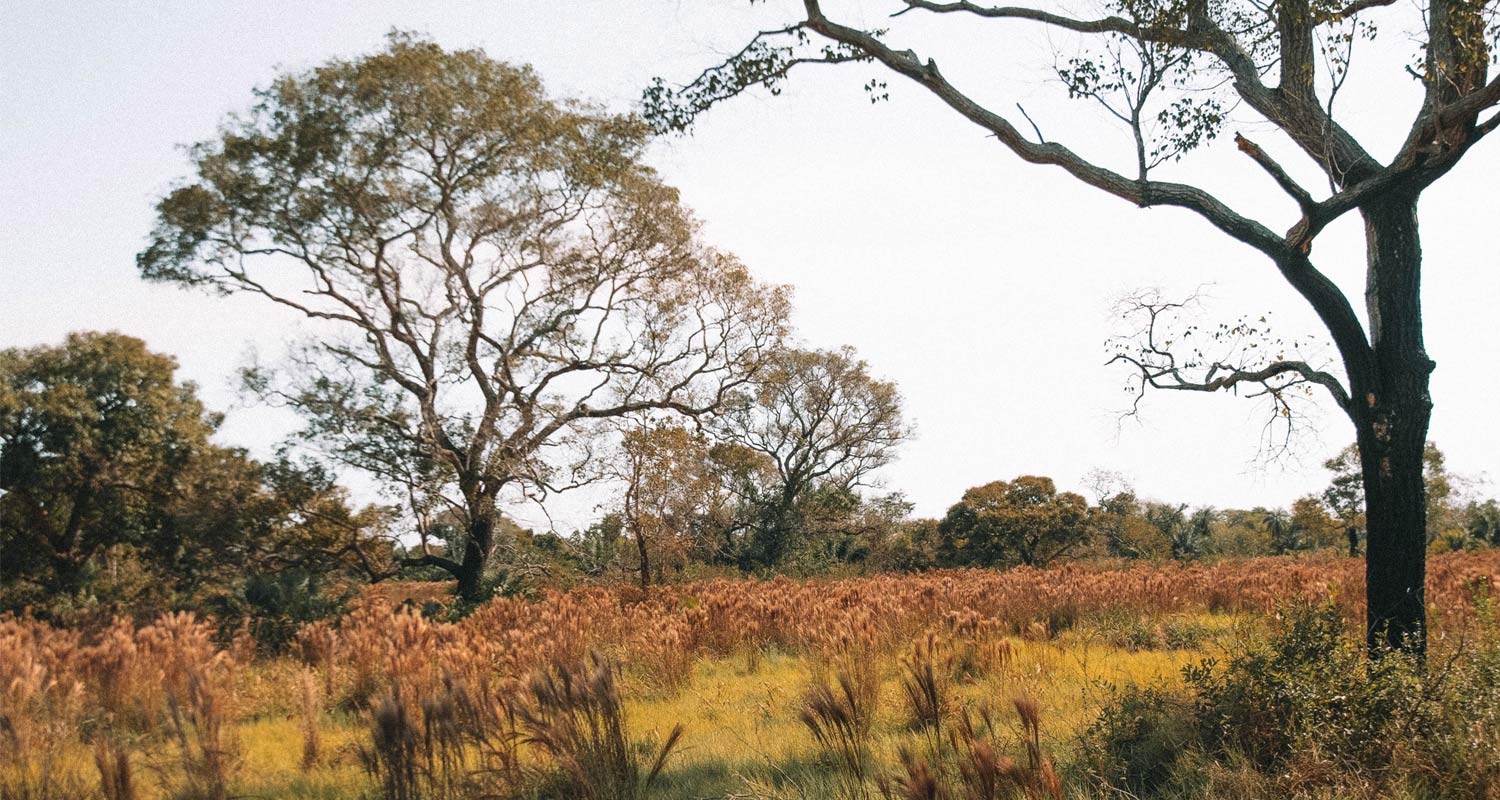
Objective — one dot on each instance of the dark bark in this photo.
(476, 553)
(640, 546)
(1391, 411)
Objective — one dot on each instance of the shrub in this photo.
(1137, 738)
(1304, 712)
(1308, 685)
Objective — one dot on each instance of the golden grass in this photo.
(729, 660)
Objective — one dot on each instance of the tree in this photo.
(1284, 537)
(491, 273)
(819, 418)
(665, 470)
(1482, 521)
(1171, 521)
(1024, 521)
(105, 458)
(1200, 532)
(1345, 494)
(95, 437)
(1118, 521)
(1346, 497)
(1313, 525)
(1168, 70)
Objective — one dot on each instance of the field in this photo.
(823, 688)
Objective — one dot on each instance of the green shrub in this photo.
(1308, 685)
(1304, 712)
(1137, 739)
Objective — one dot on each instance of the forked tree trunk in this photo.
(1391, 412)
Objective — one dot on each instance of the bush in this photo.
(1309, 685)
(1305, 712)
(1136, 741)
(273, 607)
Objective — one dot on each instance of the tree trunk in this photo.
(1391, 413)
(640, 546)
(476, 553)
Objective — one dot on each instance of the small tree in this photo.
(1315, 527)
(819, 418)
(1024, 521)
(666, 474)
(490, 272)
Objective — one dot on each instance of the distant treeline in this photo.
(116, 500)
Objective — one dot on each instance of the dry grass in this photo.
(159, 710)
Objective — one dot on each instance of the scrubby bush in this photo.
(1305, 711)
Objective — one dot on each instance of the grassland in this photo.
(731, 662)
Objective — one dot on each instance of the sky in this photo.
(981, 285)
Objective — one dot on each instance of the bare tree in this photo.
(1264, 57)
(491, 272)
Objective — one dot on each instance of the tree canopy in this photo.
(1024, 521)
(490, 272)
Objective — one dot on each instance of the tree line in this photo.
(118, 499)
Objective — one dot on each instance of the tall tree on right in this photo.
(1170, 71)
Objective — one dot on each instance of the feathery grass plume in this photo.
(490, 724)
(392, 756)
(1039, 779)
(444, 736)
(924, 682)
(575, 715)
(31, 772)
(916, 781)
(202, 727)
(839, 719)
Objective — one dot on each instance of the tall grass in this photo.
(838, 715)
(574, 713)
(454, 708)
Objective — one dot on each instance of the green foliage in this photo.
(1309, 685)
(1137, 739)
(95, 438)
(1305, 711)
(116, 500)
(274, 606)
(1025, 521)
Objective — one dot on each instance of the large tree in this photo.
(489, 273)
(1170, 70)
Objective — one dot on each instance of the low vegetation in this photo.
(951, 684)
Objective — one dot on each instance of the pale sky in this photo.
(980, 284)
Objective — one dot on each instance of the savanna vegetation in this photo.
(501, 300)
